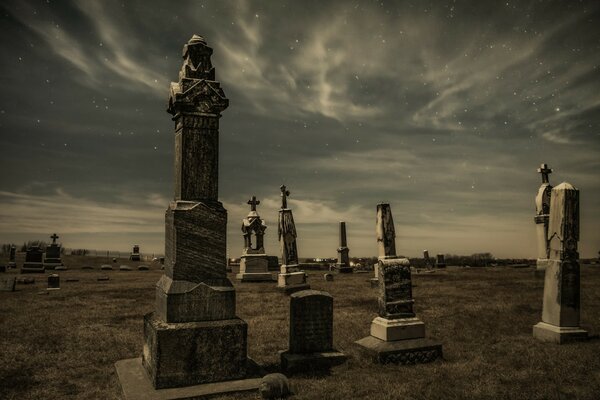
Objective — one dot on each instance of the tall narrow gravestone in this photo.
(33, 261)
(254, 264)
(12, 257)
(386, 237)
(440, 261)
(560, 315)
(343, 261)
(311, 333)
(290, 278)
(397, 335)
(193, 337)
(542, 215)
(52, 257)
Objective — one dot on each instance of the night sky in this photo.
(443, 109)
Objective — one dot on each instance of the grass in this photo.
(63, 345)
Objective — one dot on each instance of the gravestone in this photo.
(561, 308)
(386, 238)
(53, 282)
(328, 277)
(135, 253)
(440, 261)
(12, 257)
(88, 267)
(33, 261)
(428, 262)
(7, 283)
(343, 261)
(254, 265)
(542, 213)
(106, 267)
(52, 257)
(311, 333)
(125, 268)
(193, 337)
(290, 278)
(143, 268)
(397, 335)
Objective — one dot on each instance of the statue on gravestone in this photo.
(542, 206)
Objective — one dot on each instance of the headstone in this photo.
(428, 262)
(52, 257)
(106, 267)
(135, 253)
(7, 283)
(143, 268)
(194, 337)
(328, 277)
(53, 282)
(290, 278)
(125, 268)
(33, 261)
(254, 265)
(12, 257)
(440, 261)
(542, 213)
(561, 309)
(386, 238)
(343, 261)
(311, 333)
(397, 335)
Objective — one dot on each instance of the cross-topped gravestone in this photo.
(254, 264)
(52, 258)
(284, 195)
(54, 237)
(545, 171)
(542, 211)
(253, 203)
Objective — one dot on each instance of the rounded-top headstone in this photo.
(106, 267)
(87, 267)
(311, 322)
(143, 268)
(125, 268)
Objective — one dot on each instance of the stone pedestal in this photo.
(254, 268)
(397, 329)
(254, 263)
(291, 279)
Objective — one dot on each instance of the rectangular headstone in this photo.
(395, 289)
(311, 322)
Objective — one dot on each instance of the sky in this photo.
(444, 109)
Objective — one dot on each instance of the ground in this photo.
(63, 345)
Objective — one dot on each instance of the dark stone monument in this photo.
(343, 261)
(52, 257)
(254, 265)
(560, 314)
(7, 283)
(311, 333)
(441, 261)
(428, 261)
(135, 253)
(12, 257)
(542, 215)
(33, 261)
(193, 337)
(397, 335)
(53, 282)
(291, 278)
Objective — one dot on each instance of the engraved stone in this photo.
(12, 257)
(561, 312)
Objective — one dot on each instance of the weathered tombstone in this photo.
(397, 335)
(328, 277)
(440, 261)
(12, 257)
(33, 261)
(560, 315)
(135, 253)
(427, 259)
(106, 267)
(143, 268)
(7, 283)
(125, 268)
(291, 278)
(53, 282)
(343, 261)
(254, 265)
(52, 256)
(386, 238)
(311, 333)
(193, 337)
(542, 213)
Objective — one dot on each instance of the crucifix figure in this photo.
(54, 237)
(284, 194)
(253, 203)
(545, 171)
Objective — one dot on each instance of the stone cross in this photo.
(54, 237)
(284, 194)
(545, 171)
(253, 203)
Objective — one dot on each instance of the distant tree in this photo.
(79, 252)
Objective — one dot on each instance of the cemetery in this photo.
(190, 326)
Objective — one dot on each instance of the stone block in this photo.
(558, 334)
(411, 351)
(397, 329)
(308, 362)
(193, 353)
(561, 294)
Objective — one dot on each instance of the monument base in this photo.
(136, 384)
(558, 334)
(292, 363)
(33, 268)
(290, 282)
(397, 329)
(341, 268)
(192, 353)
(49, 265)
(254, 277)
(411, 351)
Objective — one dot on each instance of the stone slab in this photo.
(136, 385)
(411, 351)
(306, 362)
(558, 334)
(397, 329)
(30, 268)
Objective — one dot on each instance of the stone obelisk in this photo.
(193, 336)
(560, 314)
(542, 211)
(254, 264)
(343, 261)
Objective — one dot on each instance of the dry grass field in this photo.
(63, 345)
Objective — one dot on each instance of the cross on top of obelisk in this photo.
(545, 171)
(284, 194)
(54, 237)
(253, 203)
